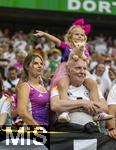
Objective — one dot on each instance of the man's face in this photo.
(100, 69)
(112, 75)
(77, 72)
(12, 74)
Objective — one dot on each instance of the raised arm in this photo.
(23, 104)
(50, 37)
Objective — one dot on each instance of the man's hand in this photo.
(97, 107)
(112, 133)
(89, 107)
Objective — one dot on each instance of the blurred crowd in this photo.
(15, 47)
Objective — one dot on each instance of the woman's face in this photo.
(36, 67)
(78, 35)
(100, 69)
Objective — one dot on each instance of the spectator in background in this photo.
(114, 63)
(112, 49)
(112, 75)
(5, 108)
(55, 60)
(100, 45)
(111, 101)
(93, 62)
(20, 42)
(11, 81)
(42, 43)
(10, 55)
(4, 65)
(2, 74)
(102, 80)
(20, 56)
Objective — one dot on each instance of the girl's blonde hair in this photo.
(68, 36)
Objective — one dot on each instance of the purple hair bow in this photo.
(86, 27)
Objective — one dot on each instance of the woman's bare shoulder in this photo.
(23, 85)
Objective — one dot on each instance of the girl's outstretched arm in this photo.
(50, 37)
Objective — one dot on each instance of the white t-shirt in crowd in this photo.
(9, 56)
(5, 107)
(7, 85)
(104, 83)
(112, 96)
(101, 48)
(76, 93)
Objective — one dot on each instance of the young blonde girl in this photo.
(76, 37)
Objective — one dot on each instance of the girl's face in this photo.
(78, 35)
(36, 67)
